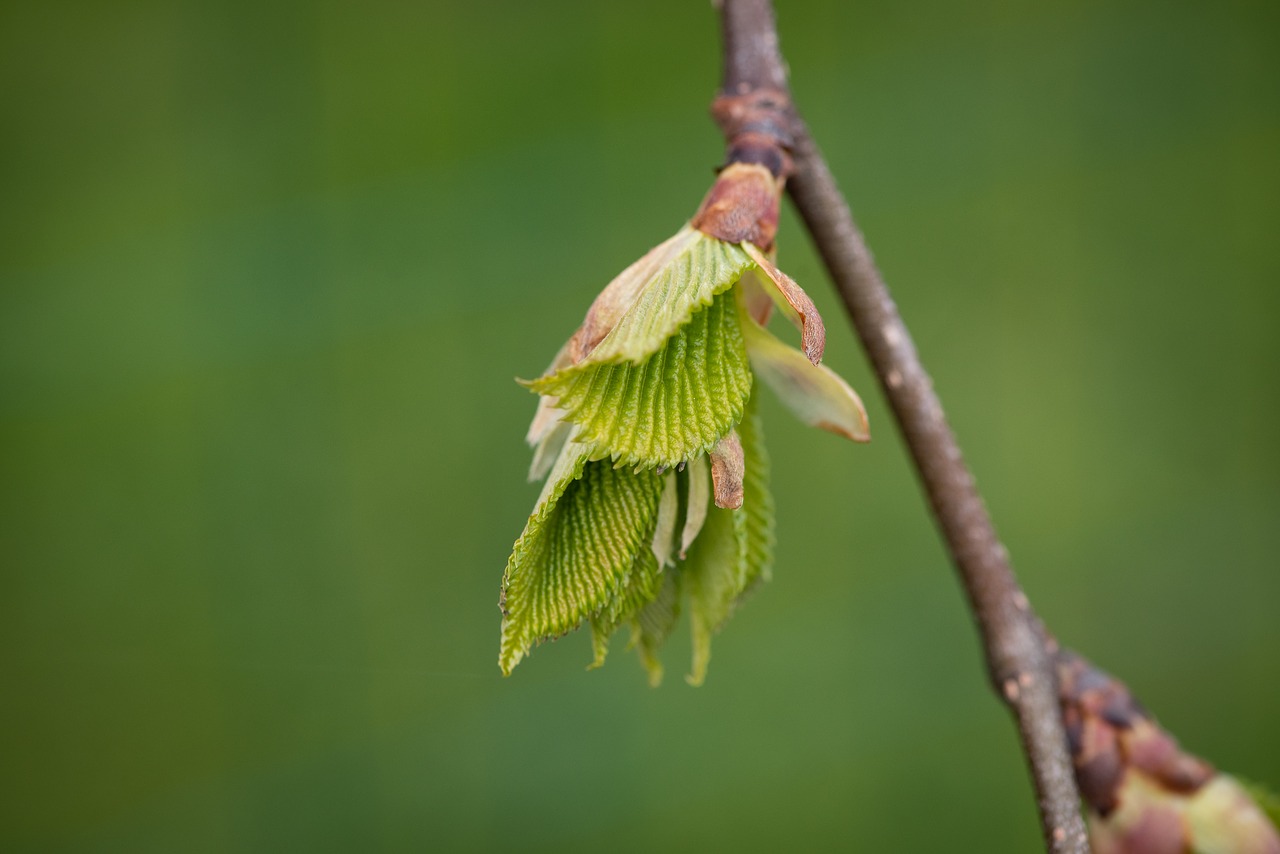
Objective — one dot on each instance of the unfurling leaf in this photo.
(664, 535)
(735, 551)
(578, 550)
(714, 575)
(658, 497)
(680, 281)
(757, 501)
(653, 624)
(672, 406)
(814, 393)
(636, 591)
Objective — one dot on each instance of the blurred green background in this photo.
(268, 271)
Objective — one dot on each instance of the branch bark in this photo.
(755, 103)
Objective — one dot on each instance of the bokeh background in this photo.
(268, 270)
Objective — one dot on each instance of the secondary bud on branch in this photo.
(1144, 793)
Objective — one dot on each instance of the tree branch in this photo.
(755, 102)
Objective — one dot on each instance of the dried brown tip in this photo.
(728, 467)
(813, 332)
(612, 302)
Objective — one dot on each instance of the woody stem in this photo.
(755, 103)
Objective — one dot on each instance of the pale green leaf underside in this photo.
(697, 483)
(814, 393)
(577, 551)
(664, 533)
(670, 407)
(690, 278)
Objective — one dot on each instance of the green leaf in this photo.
(757, 503)
(714, 575)
(672, 406)
(637, 590)
(734, 551)
(577, 551)
(646, 576)
(652, 625)
(619, 295)
(697, 269)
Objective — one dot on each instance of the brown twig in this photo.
(754, 111)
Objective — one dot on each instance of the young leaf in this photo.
(814, 393)
(637, 590)
(664, 534)
(697, 501)
(577, 550)
(548, 447)
(734, 552)
(617, 297)
(714, 575)
(757, 503)
(672, 406)
(690, 275)
(652, 625)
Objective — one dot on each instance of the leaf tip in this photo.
(813, 338)
(858, 433)
(599, 646)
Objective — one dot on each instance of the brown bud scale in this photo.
(742, 205)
